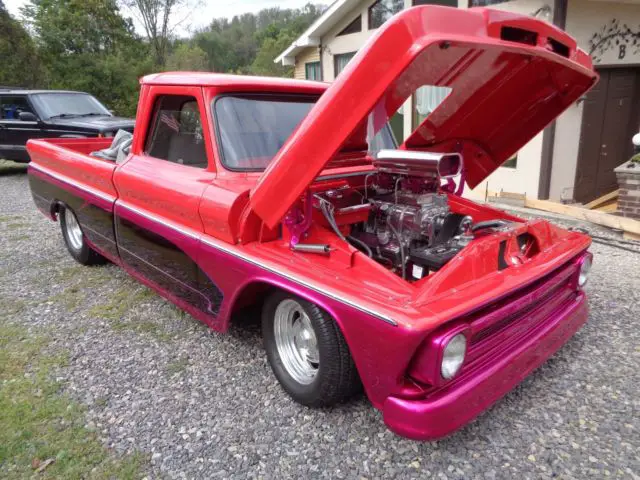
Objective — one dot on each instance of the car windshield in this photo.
(54, 105)
(251, 129)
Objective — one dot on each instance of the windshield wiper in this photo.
(64, 115)
(93, 114)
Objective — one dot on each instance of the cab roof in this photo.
(207, 79)
(22, 91)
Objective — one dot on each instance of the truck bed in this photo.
(62, 171)
(69, 159)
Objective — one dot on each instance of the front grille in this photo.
(502, 326)
(517, 317)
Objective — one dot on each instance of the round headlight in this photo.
(453, 356)
(585, 268)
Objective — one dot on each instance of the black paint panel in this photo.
(96, 222)
(165, 264)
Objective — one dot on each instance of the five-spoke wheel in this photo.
(307, 351)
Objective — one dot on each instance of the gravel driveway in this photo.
(205, 405)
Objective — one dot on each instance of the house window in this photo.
(444, 3)
(512, 162)
(176, 133)
(340, 61)
(484, 3)
(353, 27)
(383, 10)
(426, 99)
(312, 71)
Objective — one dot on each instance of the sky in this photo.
(208, 10)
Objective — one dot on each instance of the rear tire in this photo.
(307, 352)
(75, 240)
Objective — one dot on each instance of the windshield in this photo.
(251, 129)
(51, 105)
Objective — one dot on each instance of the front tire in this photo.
(307, 352)
(75, 240)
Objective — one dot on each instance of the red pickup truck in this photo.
(371, 269)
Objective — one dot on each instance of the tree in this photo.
(20, 62)
(244, 43)
(158, 19)
(88, 45)
(67, 27)
(216, 48)
(187, 57)
(271, 47)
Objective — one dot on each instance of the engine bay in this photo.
(401, 217)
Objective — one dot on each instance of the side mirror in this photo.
(27, 117)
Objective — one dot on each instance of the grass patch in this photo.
(142, 327)
(80, 282)
(121, 302)
(9, 218)
(11, 306)
(9, 167)
(70, 298)
(15, 226)
(177, 366)
(18, 238)
(39, 425)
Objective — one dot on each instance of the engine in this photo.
(410, 227)
(413, 233)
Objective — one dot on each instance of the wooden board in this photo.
(631, 236)
(608, 207)
(602, 200)
(593, 216)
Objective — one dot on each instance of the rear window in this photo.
(252, 128)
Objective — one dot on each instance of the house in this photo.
(574, 157)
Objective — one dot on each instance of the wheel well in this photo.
(56, 205)
(252, 297)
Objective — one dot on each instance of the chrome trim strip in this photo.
(195, 234)
(224, 248)
(343, 175)
(72, 182)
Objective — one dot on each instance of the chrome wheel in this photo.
(296, 341)
(74, 232)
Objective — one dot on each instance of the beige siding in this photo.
(309, 55)
(332, 44)
(523, 179)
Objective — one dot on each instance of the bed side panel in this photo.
(58, 174)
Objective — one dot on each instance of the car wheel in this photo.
(307, 352)
(75, 241)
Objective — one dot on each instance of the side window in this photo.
(12, 105)
(176, 132)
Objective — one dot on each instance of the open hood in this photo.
(510, 75)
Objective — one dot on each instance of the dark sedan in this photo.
(26, 114)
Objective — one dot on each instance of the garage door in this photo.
(610, 119)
